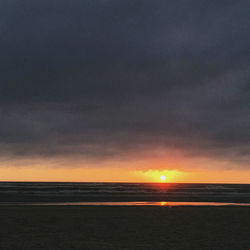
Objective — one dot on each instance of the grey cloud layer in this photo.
(111, 78)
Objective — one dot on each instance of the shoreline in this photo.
(125, 204)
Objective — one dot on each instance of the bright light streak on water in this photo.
(132, 203)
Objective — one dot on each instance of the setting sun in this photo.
(163, 177)
(152, 175)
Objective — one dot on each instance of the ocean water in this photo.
(123, 193)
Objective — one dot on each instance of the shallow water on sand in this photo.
(133, 203)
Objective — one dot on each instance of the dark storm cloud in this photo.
(112, 78)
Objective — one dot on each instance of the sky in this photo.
(118, 90)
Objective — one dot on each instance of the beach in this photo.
(124, 227)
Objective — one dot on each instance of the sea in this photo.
(132, 194)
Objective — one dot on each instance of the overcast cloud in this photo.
(107, 79)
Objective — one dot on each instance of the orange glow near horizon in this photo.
(111, 174)
(88, 175)
(160, 175)
(144, 167)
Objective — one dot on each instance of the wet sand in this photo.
(130, 227)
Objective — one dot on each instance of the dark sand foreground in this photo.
(53, 228)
